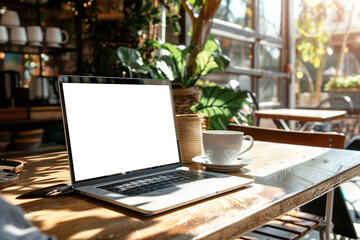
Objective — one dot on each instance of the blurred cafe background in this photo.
(281, 56)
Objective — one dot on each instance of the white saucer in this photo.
(230, 167)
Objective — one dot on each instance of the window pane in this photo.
(270, 58)
(223, 78)
(270, 17)
(244, 81)
(236, 11)
(240, 53)
(269, 90)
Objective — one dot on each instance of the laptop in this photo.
(123, 147)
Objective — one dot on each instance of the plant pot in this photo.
(184, 98)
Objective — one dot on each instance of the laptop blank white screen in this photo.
(116, 128)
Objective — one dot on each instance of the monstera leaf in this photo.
(131, 59)
(223, 105)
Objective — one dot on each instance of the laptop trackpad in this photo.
(193, 190)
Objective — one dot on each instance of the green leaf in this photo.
(152, 43)
(165, 70)
(175, 18)
(178, 61)
(212, 45)
(187, 50)
(147, 6)
(204, 62)
(222, 61)
(317, 62)
(174, 51)
(176, 27)
(222, 104)
(129, 57)
(196, 3)
(155, 11)
(207, 62)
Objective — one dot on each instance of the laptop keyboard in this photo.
(154, 182)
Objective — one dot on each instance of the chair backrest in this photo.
(342, 102)
(317, 139)
(251, 97)
(353, 143)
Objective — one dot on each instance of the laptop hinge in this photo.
(125, 176)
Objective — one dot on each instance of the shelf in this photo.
(110, 16)
(8, 114)
(45, 113)
(11, 48)
(66, 16)
(36, 114)
(33, 3)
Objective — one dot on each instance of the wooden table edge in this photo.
(266, 214)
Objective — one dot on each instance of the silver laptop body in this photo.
(122, 130)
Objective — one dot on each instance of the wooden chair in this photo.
(297, 224)
(338, 102)
(317, 139)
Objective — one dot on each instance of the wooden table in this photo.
(303, 115)
(286, 176)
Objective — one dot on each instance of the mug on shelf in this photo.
(10, 18)
(4, 37)
(53, 36)
(35, 35)
(18, 35)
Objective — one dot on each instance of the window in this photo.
(268, 90)
(270, 58)
(238, 12)
(239, 52)
(270, 17)
(253, 33)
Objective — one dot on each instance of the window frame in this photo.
(253, 36)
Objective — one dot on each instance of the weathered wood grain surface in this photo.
(286, 176)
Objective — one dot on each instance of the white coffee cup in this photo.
(18, 35)
(10, 18)
(35, 35)
(224, 146)
(54, 38)
(4, 37)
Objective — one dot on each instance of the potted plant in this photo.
(184, 66)
(345, 82)
(201, 14)
(172, 64)
(345, 85)
(187, 64)
(222, 104)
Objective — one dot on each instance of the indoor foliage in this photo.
(172, 63)
(224, 105)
